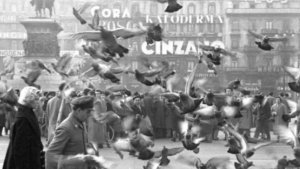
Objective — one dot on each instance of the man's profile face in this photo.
(84, 114)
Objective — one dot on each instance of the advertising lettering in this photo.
(174, 47)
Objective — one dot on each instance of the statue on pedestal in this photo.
(41, 5)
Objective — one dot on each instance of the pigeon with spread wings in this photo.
(96, 55)
(245, 150)
(62, 65)
(103, 71)
(173, 6)
(264, 40)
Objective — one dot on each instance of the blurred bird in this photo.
(191, 161)
(294, 73)
(105, 73)
(63, 65)
(96, 55)
(164, 161)
(9, 66)
(288, 136)
(235, 84)
(89, 161)
(141, 78)
(242, 162)
(215, 53)
(152, 164)
(77, 16)
(36, 64)
(173, 6)
(245, 150)
(264, 40)
(32, 77)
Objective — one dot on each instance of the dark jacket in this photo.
(25, 144)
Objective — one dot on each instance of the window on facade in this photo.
(211, 8)
(117, 6)
(172, 27)
(235, 5)
(252, 5)
(235, 43)
(286, 5)
(190, 66)
(234, 63)
(269, 25)
(153, 9)
(135, 9)
(285, 25)
(134, 65)
(14, 45)
(201, 7)
(211, 28)
(13, 8)
(235, 26)
(14, 27)
(252, 24)
(191, 9)
(269, 5)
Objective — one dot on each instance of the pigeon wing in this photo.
(174, 151)
(87, 35)
(128, 33)
(256, 35)
(293, 72)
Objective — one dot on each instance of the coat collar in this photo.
(76, 123)
(28, 113)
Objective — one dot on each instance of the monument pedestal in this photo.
(41, 44)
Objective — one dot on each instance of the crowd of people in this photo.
(53, 110)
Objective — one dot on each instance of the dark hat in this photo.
(84, 102)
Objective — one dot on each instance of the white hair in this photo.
(28, 94)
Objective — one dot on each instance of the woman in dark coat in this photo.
(25, 146)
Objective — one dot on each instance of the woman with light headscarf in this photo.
(25, 146)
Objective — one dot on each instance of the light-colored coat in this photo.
(69, 139)
(97, 130)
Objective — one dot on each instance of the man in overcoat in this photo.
(71, 135)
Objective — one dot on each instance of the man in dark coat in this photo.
(25, 144)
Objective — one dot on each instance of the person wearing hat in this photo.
(70, 136)
(25, 146)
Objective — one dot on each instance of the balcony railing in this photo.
(262, 69)
(264, 11)
(269, 31)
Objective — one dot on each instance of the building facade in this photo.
(210, 22)
(263, 69)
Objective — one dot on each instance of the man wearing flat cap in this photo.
(70, 137)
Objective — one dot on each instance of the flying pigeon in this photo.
(264, 40)
(77, 16)
(173, 6)
(62, 65)
(96, 55)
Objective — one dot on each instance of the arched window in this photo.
(211, 8)
(191, 11)
(13, 8)
(135, 9)
(117, 6)
(153, 9)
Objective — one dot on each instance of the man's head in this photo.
(82, 107)
(29, 96)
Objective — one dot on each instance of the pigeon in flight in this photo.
(264, 40)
